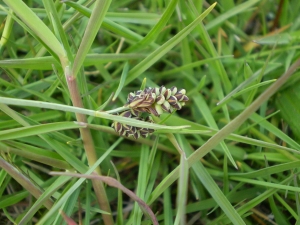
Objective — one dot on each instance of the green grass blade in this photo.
(217, 194)
(36, 130)
(56, 23)
(203, 108)
(122, 81)
(182, 191)
(266, 184)
(158, 53)
(92, 28)
(230, 13)
(156, 30)
(142, 183)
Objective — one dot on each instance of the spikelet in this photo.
(154, 101)
(132, 131)
(157, 100)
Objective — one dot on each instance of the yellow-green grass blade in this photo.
(47, 62)
(255, 86)
(272, 129)
(234, 197)
(36, 25)
(217, 65)
(6, 31)
(221, 80)
(110, 25)
(68, 206)
(34, 35)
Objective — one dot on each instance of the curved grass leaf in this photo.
(104, 115)
(36, 25)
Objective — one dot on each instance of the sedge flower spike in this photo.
(132, 131)
(153, 101)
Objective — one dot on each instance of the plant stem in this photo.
(89, 147)
(120, 109)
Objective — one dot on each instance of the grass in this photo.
(229, 156)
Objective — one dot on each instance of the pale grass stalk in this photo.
(89, 147)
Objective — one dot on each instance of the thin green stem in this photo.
(117, 110)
